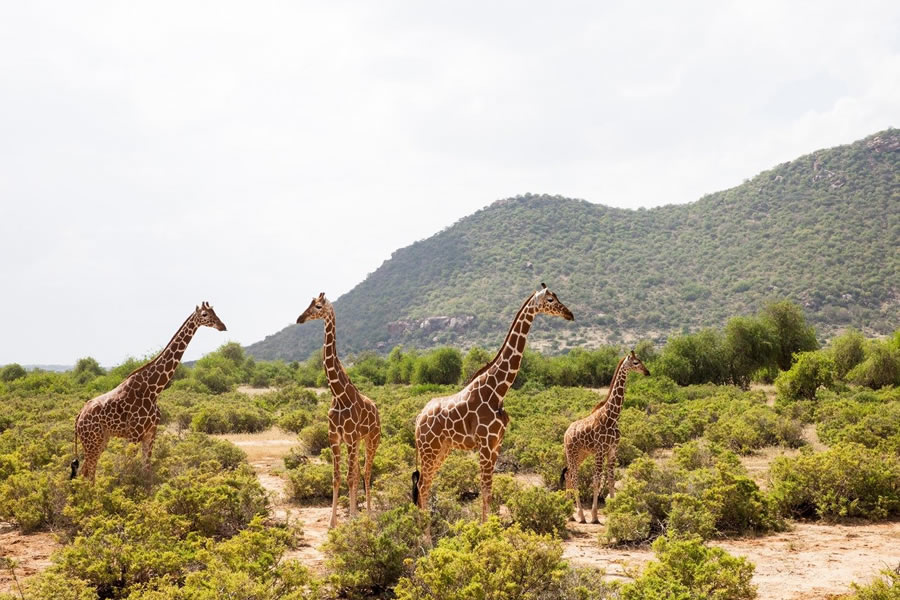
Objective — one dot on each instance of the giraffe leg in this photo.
(574, 462)
(598, 483)
(611, 470)
(93, 448)
(147, 447)
(353, 473)
(371, 447)
(335, 479)
(487, 459)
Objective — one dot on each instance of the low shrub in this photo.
(810, 371)
(884, 587)
(848, 480)
(366, 557)
(487, 561)
(687, 569)
(702, 490)
(314, 438)
(541, 511)
(310, 483)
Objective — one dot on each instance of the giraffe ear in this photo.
(543, 285)
(196, 308)
(632, 352)
(321, 294)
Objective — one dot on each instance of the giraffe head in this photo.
(319, 308)
(548, 303)
(632, 363)
(205, 315)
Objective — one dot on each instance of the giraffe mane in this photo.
(604, 402)
(152, 360)
(515, 320)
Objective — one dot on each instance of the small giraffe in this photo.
(352, 417)
(598, 434)
(129, 410)
(474, 419)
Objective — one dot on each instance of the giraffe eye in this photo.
(318, 306)
(203, 314)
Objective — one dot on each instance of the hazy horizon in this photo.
(253, 157)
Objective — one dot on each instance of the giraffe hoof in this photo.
(595, 522)
(582, 520)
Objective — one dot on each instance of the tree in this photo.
(792, 334)
(848, 350)
(475, 358)
(749, 346)
(86, 369)
(811, 370)
(12, 372)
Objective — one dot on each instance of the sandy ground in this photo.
(31, 554)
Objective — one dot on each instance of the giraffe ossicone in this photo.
(598, 434)
(352, 418)
(129, 410)
(474, 418)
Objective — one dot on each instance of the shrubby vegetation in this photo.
(848, 480)
(703, 490)
(687, 569)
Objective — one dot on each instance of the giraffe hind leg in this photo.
(335, 480)
(371, 447)
(353, 474)
(598, 484)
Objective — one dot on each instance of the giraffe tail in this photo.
(562, 478)
(74, 464)
(415, 490)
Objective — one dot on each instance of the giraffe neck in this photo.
(502, 373)
(338, 380)
(616, 395)
(162, 368)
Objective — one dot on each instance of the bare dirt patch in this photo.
(30, 552)
(265, 453)
(811, 561)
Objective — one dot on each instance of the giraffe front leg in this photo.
(335, 479)
(597, 481)
(371, 447)
(147, 447)
(353, 474)
(487, 460)
(572, 476)
(611, 469)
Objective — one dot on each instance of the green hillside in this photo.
(822, 230)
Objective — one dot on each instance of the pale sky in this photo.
(154, 155)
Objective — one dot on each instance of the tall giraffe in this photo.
(598, 434)
(129, 410)
(352, 417)
(473, 418)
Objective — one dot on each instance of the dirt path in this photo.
(812, 561)
(31, 554)
(265, 453)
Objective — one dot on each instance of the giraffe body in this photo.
(352, 417)
(474, 418)
(598, 434)
(129, 410)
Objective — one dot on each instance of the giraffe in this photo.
(129, 410)
(598, 434)
(473, 418)
(352, 417)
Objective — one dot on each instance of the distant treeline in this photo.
(747, 349)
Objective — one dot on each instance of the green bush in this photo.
(459, 476)
(310, 483)
(885, 587)
(880, 368)
(314, 438)
(440, 366)
(541, 511)
(848, 480)
(847, 350)
(366, 557)
(702, 490)
(215, 505)
(487, 561)
(235, 416)
(811, 370)
(295, 420)
(12, 371)
(687, 569)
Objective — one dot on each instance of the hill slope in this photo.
(822, 230)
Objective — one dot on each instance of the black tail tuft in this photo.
(562, 478)
(415, 492)
(74, 469)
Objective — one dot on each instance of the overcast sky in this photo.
(157, 154)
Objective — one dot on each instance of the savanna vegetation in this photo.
(199, 525)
